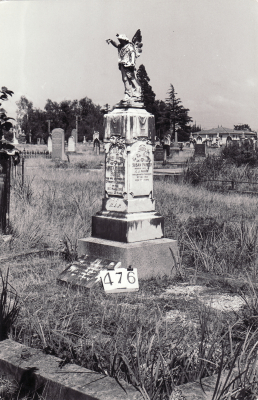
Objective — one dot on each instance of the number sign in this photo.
(120, 280)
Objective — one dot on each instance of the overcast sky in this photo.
(208, 49)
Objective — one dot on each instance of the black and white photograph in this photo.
(129, 200)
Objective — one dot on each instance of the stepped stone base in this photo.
(127, 228)
(156, 257)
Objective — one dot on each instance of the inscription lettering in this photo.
(141, 170)
(115, 171)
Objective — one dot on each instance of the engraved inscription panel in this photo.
(115, 171)
(141, 169)
(115, 204)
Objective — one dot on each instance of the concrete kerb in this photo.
(73, 382)
(54, 383)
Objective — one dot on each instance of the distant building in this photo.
(221, 135)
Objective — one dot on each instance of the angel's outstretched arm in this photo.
(112, 42)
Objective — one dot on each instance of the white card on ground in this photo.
(120, 280)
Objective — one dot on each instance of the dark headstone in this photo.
(200, 150)
(158, 154)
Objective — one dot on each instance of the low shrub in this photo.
(241, 153)
(208, 168)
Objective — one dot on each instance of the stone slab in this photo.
(86, 271)
(54, 383)
(151, 257)
(127, 228)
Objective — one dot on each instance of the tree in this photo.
(148, 96)
(24, 108)
(5, 124)
(175, 117)
(242, 127)
(178, 115)
(62, 115)
(162, 123)
(195, 128)
(91, 118)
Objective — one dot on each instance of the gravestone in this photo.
(15, 140)
(38, 141)
(95, 136)
(84, 140)
(200, 150)
(96, 146)
(158, 154)
(128, 228)
(74, 133)
(58, 149)
(71, 145)
(22, 137)
(49, 144)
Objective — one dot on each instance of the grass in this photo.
(130, 336)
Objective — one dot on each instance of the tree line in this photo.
(66, 114)
(170, 115)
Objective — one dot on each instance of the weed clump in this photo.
(9, 307)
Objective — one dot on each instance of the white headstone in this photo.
(75, 136)
(49, 144)
(15, 140)
(71, 144)
(95, 136)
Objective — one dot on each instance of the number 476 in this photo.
(120, 279)
(130, 278)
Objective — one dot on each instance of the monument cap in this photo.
(122, 37)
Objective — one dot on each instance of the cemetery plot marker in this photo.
(120, 280)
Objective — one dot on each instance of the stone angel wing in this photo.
(137, 42)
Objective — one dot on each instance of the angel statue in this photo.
(128, 51)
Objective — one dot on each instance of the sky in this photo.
(207, 49)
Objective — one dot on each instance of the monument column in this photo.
(128, 207)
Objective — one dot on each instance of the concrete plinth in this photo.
(128, 228)
(151, 257)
